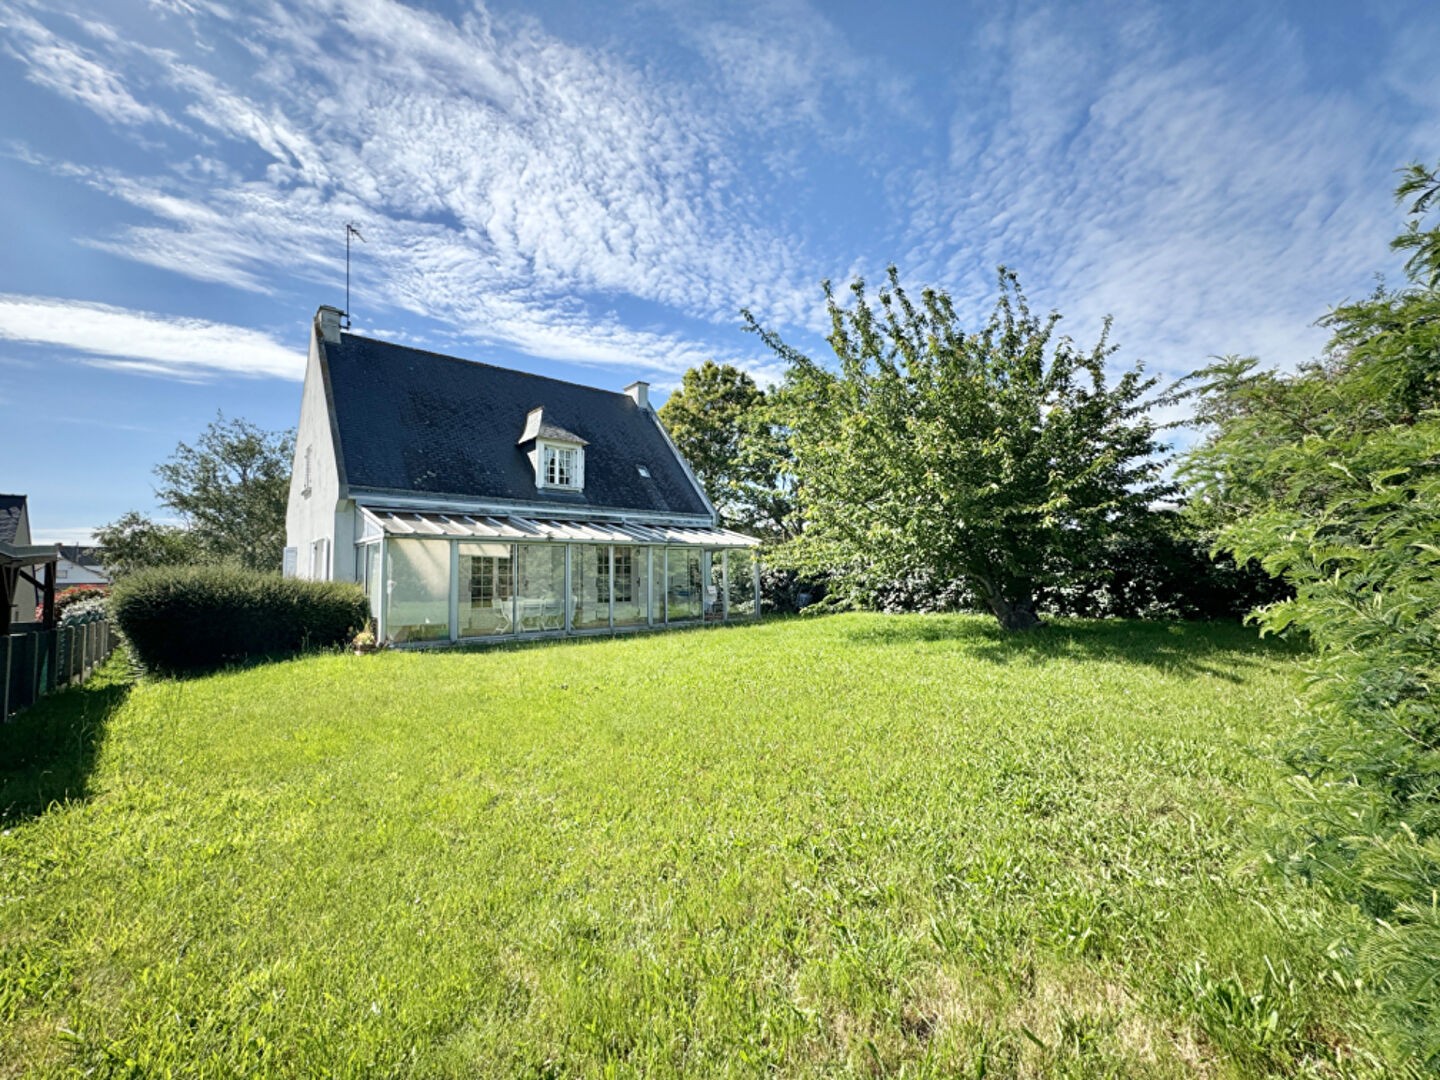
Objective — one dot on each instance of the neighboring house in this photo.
(477, 502)
(27, 571)
(78, 565)
(15, 533)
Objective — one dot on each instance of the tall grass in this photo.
(858, 845)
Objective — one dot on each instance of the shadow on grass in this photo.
(48, 751)
(1219, 649)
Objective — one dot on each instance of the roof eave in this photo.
(469, 504)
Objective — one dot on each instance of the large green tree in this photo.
(725, 426)
(135, 542)
(1330, 477)
(229, 489)
(999, 458)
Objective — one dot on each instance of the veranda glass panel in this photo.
(370, 554)
(540, 604)
(590, 585)
(631, 580)
(417, 590)
(713, 574)
(657, 585)
(487, 589)
(742, 583)
(684, 587)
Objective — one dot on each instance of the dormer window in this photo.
(558, 455)
(562, 466)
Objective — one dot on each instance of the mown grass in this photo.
(858, 845)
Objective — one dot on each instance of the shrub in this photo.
(74, 595)
(86, 610)
(1330, 478)
(1164, 570)
(197, 618)
(785, 591)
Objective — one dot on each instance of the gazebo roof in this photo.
(27, 554)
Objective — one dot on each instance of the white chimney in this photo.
(639, 392)
(328, 319)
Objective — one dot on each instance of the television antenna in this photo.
(350, 230)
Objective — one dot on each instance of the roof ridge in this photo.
(484, 363)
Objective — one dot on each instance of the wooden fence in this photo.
(36, 662)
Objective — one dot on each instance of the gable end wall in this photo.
(323, 514)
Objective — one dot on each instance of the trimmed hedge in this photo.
(198, 618)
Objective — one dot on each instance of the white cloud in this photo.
(599, 205)
(67, 534)
(146, 342)
(1214, 202)
(70, 71)
(509, 184)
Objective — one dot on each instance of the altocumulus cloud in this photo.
(513, 186)
(145, 342)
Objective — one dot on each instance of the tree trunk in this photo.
(1015, 614)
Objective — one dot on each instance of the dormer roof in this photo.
(537, 427)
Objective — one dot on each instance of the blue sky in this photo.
(593, 191)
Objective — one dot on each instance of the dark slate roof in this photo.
(417, 422)
(81, 555)
(12, 508)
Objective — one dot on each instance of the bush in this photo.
(1164, 570)
(784, 591)
(88, 609)
(197, 618)
(76, 594)
(1161, 569)
(1329, 477)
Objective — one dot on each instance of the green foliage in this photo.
(725, 426)
(133, 542)
(231, 489)
(1162, 568)
(1330, 478)
(188, 619)
(999, 459)
(616, 858)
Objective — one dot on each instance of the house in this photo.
(475, 502)
(27, 571)
(78, 565)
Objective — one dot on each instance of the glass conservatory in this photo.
(435, 577)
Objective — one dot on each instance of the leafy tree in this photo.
(230, 490)
(1330, 477)
(998, 459)
(724, 425)
(134, 542)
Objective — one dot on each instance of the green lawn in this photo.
(853, 845)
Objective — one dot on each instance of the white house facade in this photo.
(479, 503)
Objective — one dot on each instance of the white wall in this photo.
(26, 597)
(320, 513)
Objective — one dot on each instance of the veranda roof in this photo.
(412, 524)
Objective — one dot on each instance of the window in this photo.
(632, 578)
(489, 578)
(624, 575)
(487, 586)
(561, 467)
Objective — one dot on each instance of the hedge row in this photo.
(185, 619)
